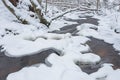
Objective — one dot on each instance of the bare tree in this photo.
(40, 2)
(35, 7)
(46, 6)
(14, 2)
(38, 11)
(98, 3)
(34, 11)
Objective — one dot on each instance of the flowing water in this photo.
(12, 64)
(73, 27)
(104, 50)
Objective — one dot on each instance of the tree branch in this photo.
(11, 8)
(38, 11)
(72, 10)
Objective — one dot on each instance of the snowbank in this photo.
(18, 40)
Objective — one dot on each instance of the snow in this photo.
(58, 72)
(61, 69)
(72, 16)
(86, 26)
(61, 72)
(90, 58)
(106, 73)
(114, 75)
(78, 76)
(105, 29)
(31, 43)
(34, 37)
(56, 25)
(103, 72)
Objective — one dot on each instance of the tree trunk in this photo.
(97, 6)
(11, 5)
(40, 2)
(11, 9)
(14, 2)
(38, 11)
(46, 7)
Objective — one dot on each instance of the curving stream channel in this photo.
(104, 50)
(12, 64)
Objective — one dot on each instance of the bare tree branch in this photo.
(46, 7)
(72, 10)
(37, 8)
(40, 2)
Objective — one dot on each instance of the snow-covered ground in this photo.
(18, 40)
(107, 30)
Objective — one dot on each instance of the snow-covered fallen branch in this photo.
(37, 15)
(72, 10)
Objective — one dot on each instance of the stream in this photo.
(12, 64)
(104, 50)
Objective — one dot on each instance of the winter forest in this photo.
(59, 39)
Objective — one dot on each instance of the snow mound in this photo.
(89, 58)
(34, 43)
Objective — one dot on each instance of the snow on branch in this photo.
(36, 16)
(23, 13)
(72, 10)
(37, 8)
(38, 11)
(13, 10)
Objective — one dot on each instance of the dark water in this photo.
(105, 51)
(99, 47)
(72, 28)
(13, 64)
